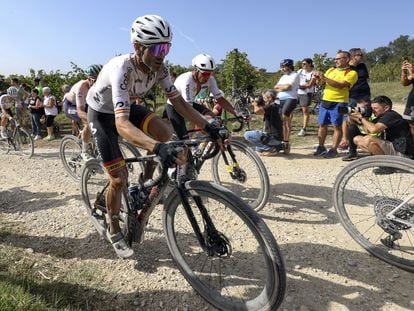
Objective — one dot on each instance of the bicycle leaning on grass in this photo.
(18, 140)
(221, 246)
(374, 199)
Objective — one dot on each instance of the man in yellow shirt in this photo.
(338, 81)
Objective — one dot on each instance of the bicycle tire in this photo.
(256, 186)
(362, 198)
(70, 150)
(94, 178)
(239, 288)
(24, 142)
(4, 146)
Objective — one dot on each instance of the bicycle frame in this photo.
(391, 215)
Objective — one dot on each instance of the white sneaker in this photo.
(37, 137)
(302, 132)
(4, 134)
(86, 156)
(120, 246)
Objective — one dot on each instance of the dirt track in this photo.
(326, 269)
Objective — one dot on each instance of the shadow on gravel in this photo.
(17, 199)
(290, 198)
(371, 283)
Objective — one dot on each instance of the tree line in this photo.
(236, 71)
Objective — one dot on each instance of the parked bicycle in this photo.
(70, 150)
(19, 140)
(374, 199)
(221, 246)
(242, 104)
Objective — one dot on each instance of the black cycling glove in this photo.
(167, 153)
(216, 132)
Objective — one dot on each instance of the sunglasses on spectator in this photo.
(159, 49)
(339, 58)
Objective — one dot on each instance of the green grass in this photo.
(393, 90)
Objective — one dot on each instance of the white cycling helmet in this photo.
(204, 62)
(12, 91)
(150, 29)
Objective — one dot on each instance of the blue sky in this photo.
(50, 34)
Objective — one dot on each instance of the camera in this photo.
(348, 110)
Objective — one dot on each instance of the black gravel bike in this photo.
(374, 199)
(219, 243)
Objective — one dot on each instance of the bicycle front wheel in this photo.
(24, 142)
(70, 154)
(365, 192)
(248, 272)
(247, 178)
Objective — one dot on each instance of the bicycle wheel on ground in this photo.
(249, 180)
(94, 181)
(4, 146)
(248, 272)
(70, 154)
(24, 142)
(365, 192)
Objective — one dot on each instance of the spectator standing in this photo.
(287, 88)
(360, 90)
(22, 95)
(269, 141)
(50, 105)
(407, 78)
(396, 138)
(36, 112)
(338, 81)
(37, 82)
(305, 91)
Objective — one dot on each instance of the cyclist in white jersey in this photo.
(190, 84)
(112, 112)
(75, 107)
(6, 102)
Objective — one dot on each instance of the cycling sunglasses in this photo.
(205, 74)
(159, 49)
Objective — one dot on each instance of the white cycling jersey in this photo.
(76, 95)
(187, 87)
(121, 79)
(6, 101)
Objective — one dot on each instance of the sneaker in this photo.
(37, 137)
(120, 246)
(383, 170)
(350, 157)
(320, 150)
(49, 138)
(86, 156)
(286, 147)
(331, 154)
(4, 134)
(32, 135)
(343, 145)
(269, 153)
(302, 132)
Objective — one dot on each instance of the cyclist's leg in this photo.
(177, 122)
(152, 125)
(106, 136)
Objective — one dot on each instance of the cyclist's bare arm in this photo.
(187, 111)
(226, 105)
(81, 102)
(133, 134)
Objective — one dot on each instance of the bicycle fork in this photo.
(212, 241)
(235, 171)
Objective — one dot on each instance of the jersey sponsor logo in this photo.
(170, 89)
(93, 129)
(124, 83)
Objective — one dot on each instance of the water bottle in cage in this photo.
(137, 196)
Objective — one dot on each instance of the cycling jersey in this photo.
(186, 85)
(6, 101)
(121, 79)
(76, 96)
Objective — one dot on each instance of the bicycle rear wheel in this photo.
(364, 193)
(24, 142)
(70, 154)
(250, 275)
(249, 180)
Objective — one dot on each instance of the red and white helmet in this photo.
(204, 62)
(150, 29)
